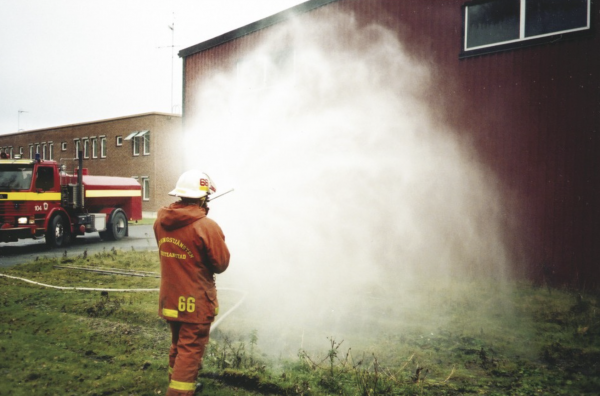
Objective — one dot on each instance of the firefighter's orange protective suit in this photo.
(192, 250)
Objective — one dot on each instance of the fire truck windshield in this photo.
(15, 177)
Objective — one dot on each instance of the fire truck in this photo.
(39, 198)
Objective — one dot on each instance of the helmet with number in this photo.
(193, 184)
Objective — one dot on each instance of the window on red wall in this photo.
(494, 25)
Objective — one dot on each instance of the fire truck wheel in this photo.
(57, 234)
(117, 229)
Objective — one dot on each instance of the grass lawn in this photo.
(71, 342)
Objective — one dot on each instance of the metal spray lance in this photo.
(212, 197)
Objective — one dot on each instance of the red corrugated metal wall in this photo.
(532, 113)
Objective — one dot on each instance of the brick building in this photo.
(141, 146)
(518, 78)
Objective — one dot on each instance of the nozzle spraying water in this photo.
(213, 197)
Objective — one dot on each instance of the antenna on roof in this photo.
(19, 119)
(172, 46)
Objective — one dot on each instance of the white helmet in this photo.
(193, 184)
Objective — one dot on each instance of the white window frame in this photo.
(63, 146)
(51, 151)
(119, 141)
(86, 148)
(522, 38)
(77, 146)
(31, 151)
(135, 143)
(145, 188)
(146, 144)
(103, 147)
(94, 147)
(145, 141)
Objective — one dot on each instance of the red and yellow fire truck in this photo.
(39, 198)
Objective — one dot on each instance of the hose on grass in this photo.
(213, 326)
(75, 287)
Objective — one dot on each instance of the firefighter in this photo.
(192, 250)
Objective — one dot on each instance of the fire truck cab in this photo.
(39, 198)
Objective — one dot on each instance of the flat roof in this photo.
(91, 122)
(254, 27)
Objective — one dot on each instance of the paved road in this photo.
(141, 237)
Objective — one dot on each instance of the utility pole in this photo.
(172, 46)
(172, 27)
(19, 119)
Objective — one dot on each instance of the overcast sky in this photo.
(72, 61)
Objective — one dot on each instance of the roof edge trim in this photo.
(153, 113)
(254, 27)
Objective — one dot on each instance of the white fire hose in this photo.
(139, 273)
(213, 326)
(75, 288)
